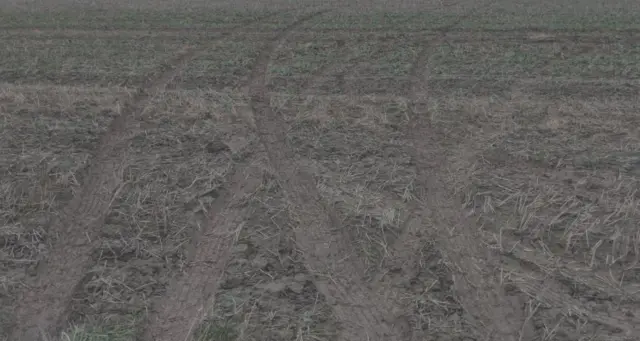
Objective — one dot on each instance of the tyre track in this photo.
(191, 295)
(189, 298)
(43, 307)
(551, 295)
(608, 283)
(492, 311)
(328, 253)
(477, 290)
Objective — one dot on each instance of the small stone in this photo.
(275, 287)
(260, 262)
(296, 287)
(240, 248)
(301, 278)
(216, 146)
(455, 318)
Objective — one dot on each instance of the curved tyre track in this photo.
(496, 315)
(480, 293)
(44, 306)
(550, 295)
(327, 251)
(189, 298)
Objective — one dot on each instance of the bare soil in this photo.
(314, 173)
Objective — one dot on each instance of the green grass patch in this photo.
(557, 15)
(302, 57)
(226, 63)
(568, 22)
(388, 60)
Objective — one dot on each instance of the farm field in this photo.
(350, 171)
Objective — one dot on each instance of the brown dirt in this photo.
(43, 305)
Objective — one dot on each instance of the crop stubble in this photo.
(43, 306)
(495, 314)
(328, 253)
(493, 310)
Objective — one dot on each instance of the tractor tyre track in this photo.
(496, 315)
(402, 255)
(499, 316)
(43, 307)
(551, 295)
(327, 252)
(189, 297)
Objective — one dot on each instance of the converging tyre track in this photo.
(496, 315)
(43, 306)
(328, 254)
(477, 289)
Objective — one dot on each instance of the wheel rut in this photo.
(328, 254)
(43, 305)
(495, 314)
(191, 295)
